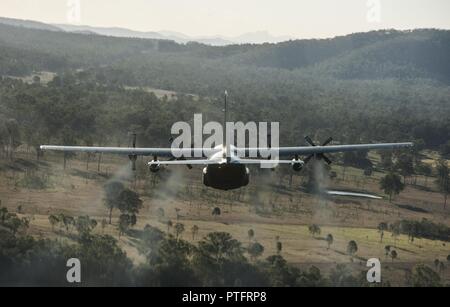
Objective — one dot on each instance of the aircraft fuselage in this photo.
(226, 176)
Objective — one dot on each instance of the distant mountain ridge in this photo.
(383, 54)
(258, 37)
(28, 24)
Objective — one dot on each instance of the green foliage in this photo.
(179, 229)
(279, 247)
(394, 254)
(250, 234)
(216, 211)
(443, 179)
(329, 240)
(113, 189)
(84, 225)
(391, 184)
(405, 165)
(30, 262)
(424, 276)
(423, 229)
(54, 220)
(219, 247)
(342, 276)
(124, 223)
(314, 229)
(217, 260)
(382, 109)
(352, 248)
(255, 250)
(194, 231)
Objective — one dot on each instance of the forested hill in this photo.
(419, 54)
(376, 86)
(372, 55)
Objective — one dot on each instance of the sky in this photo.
(293, 18)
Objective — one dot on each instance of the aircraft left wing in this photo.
(158, 152)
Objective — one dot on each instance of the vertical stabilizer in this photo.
(225, 120)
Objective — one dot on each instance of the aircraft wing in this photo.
(159, 152)
(305, 150)
(308, 150)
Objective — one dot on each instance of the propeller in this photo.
(319, 156)
(133, 158)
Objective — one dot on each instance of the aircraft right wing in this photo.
(311, 150)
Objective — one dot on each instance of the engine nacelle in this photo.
(155, 166)
(297, 165)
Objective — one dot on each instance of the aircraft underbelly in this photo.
(226, 176)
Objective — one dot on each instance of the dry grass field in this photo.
(271, 210)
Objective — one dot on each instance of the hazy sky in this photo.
(296, 18)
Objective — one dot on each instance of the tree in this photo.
(103, 224)
(84, 225)
(387, 250)
(368, 171)
(424, 276)
(393, 255)
(255, 250)
(194, 231)
(314, 229)
(66, 221)
(250, 234)
(14, 223)
(382, 227)
(216, 211)
(219, 247)
(53, 219)
(113, 189)
(169, 225)
(396, 231)
(329, 240)
(352, 248)
(124, 223)
(129, 203)
(391, 184)
(12, 128)
(279, 247)
(177, 213)
(179, 229)
(386, 160)
(443, 180)
(3, 214)
(405, 166)
(424, 169)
